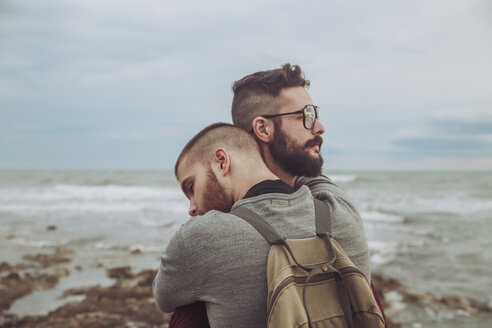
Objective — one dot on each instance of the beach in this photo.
(80, 248)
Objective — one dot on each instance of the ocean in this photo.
(432, 231)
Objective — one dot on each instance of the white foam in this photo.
(376, 216)
(144, 248)
(39, 243)
(395, 300)
(438, 314)
(79, 192)
(95, 207)
(75, 198)
(343, 178)
(103, 246)
(410, 202)
(149, 222)
(382, 252)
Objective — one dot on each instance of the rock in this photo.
(13, 276)
(457, 303)
(51, 228)
(115, 306)
(46, 260)
(4, 266)
(120, 272)
(386, 286)
(16, 285)
(13, 287)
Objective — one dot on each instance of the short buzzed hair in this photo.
(202, 146)
(258, 93)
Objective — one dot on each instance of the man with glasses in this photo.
(278, 110)
(271, 105)
(276, 107)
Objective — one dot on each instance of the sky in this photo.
(118, 84)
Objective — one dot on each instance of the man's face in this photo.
(294, 148)
(203, 189)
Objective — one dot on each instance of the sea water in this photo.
(430, 230)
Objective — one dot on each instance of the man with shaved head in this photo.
(197, 178)
(216, 257)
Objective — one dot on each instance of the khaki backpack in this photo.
(311, 281)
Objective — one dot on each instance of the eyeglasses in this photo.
(309, 113)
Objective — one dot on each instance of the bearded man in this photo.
(277, 109)
(275, 106)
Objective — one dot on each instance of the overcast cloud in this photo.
(124, 84)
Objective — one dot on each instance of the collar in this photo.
(269, 186)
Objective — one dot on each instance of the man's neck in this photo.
(285, 177)
(277, 170)
(249, 179)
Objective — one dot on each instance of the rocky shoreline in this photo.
(129, 302)
(126, 303)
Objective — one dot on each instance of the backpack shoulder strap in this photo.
(323, 217)
(263, 227)
(266, 230)
(323, 221)
(323, 229)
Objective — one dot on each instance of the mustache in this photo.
(313, 142)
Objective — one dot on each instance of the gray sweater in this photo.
(221, 260)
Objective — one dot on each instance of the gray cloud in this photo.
(141, 72)
(450, 133)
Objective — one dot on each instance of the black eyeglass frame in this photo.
(300, 111)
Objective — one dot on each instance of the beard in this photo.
(216, 198)
(295, 159)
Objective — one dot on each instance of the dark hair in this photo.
(258, 93)
(200, 147)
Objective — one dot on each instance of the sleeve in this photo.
(190, 316)
(174, 285)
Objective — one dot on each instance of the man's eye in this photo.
(190, 189)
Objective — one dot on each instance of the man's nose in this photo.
(192, 211)
(318, 128)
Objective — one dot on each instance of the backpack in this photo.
(311, 281)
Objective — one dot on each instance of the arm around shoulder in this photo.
(173, 285)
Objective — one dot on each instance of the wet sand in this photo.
(128, 302)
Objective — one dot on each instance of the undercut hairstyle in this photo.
(201, 148)
(259, 93)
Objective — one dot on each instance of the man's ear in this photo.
(222, 161)
(263, 129)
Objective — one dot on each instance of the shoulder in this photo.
(205, 221)
(324, 188)
(220, 236)
(211, 225)
(321, 181)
